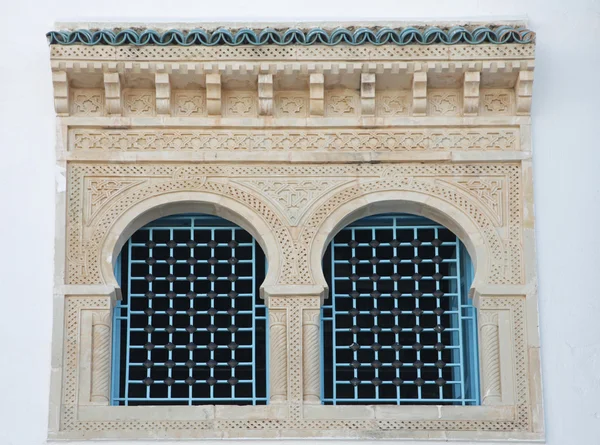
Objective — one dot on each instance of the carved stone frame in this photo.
(293, 183)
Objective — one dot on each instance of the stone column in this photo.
(311, 363)
(294, 362)
(278, 355)
(491, 390)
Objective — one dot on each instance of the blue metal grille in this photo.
(399, 327)
(191, 327)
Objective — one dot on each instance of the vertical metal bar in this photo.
(438, 303)
(116, 341)
(375, 318)
(127, 324)
(460, 331)
(212, 305)
(150, 288)
(333, 325)
(192, 304)
(171, 271)
(417, 317)
(396, 317)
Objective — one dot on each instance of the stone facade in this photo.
(292, 143)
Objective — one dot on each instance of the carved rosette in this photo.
(490, 358)
(310, 356)
(278, 377)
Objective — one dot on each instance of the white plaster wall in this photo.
(567, 164)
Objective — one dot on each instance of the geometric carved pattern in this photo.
(274, 52)
(83, 258)
(328, 140)
(100, 191)
(489, 191)
(295, 420)
(293, 197)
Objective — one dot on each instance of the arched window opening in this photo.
(398, 326)
(191, 327)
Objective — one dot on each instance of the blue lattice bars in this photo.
(399, 327)
(191, 327)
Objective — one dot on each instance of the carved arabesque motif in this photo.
(298, 140)
(83, 246)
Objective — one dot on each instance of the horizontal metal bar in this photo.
(180, 279)
(341, 400)
(402, 278)
(184, 330)
(155, 364)
(197, 347)
(184, 244)
(402, 330)
(389, 311)
(200, 262)
(186, 399)
(140, 382)
(445, 261)
(185, 313)
(404, 365)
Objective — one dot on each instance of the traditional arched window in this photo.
(398, 327)
(190, 328)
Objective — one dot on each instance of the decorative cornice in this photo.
(294, 36)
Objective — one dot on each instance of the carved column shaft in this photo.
(490, 358)
(311, 363)
(101, 356)
(278, 352)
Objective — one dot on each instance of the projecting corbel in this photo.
(317, 94)
(367, 94)
(112, 93)
(523, 91)
(163, 93)
(213, 94)
(265, 94)
(60, 83)
(419, 90)
(471, 93)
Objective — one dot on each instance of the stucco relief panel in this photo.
(294, 201)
